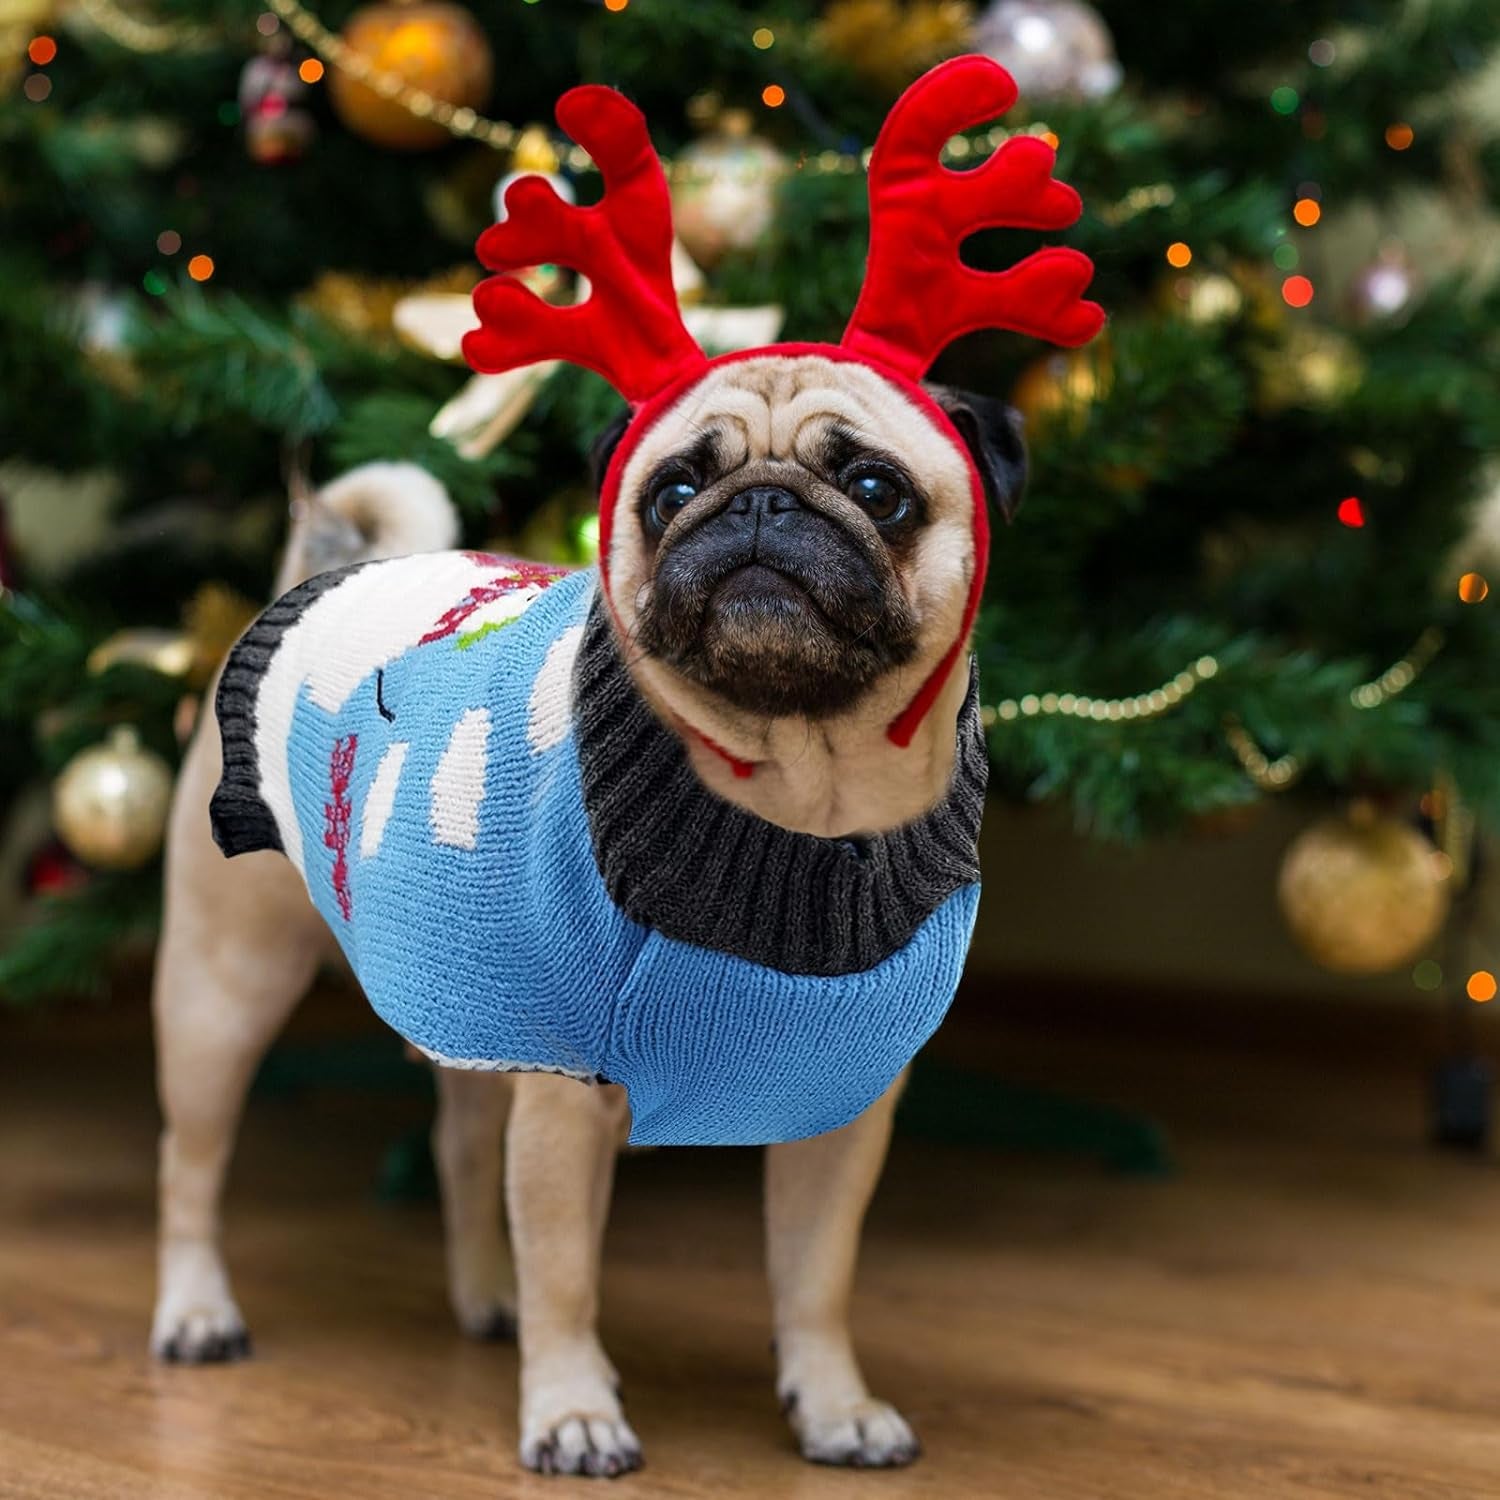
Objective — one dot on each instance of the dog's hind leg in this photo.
(467, 1145)
(560, 1151)
(239, 946)
(817, 1191)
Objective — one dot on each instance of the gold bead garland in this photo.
(1103, 710)
(1267, 774)
(142, 36)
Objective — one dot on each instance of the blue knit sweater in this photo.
(525, 874)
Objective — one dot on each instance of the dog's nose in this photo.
(764, 500)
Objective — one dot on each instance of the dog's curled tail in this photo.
(377, 510)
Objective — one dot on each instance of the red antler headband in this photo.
(917, 296)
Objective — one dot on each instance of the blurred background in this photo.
(1245, 609)
(1238, 667)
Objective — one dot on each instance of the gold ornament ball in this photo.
(430, 46)
(1363, 894)
(724, 190)
(109, 804)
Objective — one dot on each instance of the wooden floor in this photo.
(1310, 1307)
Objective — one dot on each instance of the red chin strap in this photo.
(901, 729)
(917, 297)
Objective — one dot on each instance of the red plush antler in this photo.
(917, 295)
(629, 329)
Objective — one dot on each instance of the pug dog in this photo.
(684, 846)
(792, 548)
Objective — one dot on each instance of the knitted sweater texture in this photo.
(526, 874)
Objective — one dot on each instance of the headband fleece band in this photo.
(917, 297)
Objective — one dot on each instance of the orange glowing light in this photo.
(773, 96)
(42, 50)
(1399, 136)
(201, 267)
(616, 4)
(1473, 587)
(310, 70)
(1051, 137)
(1481, 986)
(1307, 212)
(1296, 291)
(1179, 254)
(1351, 512)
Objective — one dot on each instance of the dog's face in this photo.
(796, 530)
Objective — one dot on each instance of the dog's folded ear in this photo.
(994, 434)
(604, 447)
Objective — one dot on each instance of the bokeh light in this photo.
(310, 70)
(1285, 257)
(1473, 587)
(169, 242)
(1296, 291)
(773, 96)
(616, 4)
(1481, 986)
(37, 87)
(1427, 975)
(1307, 212)
(1399, 136)
(1284, 100)
(201, 267)
(1351, 512)
(1322, 52)
(42, 50)
(267, 24)
(1179, 254)
(763, 37)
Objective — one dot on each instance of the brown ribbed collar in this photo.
(676, 857)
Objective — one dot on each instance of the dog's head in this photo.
(787, 527)
(793, 531)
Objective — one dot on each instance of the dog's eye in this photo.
(667, 500)
(883, 499)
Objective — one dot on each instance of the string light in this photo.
(1481, 986)
(310, 70)
(763, 37)
(42, 50)
(1284, 257)
(1284, 100)
(169, 242)
(1351, 512)
(616, 5)
(773, 96)
(201, 267)
(1179, 254)
(1307, 212)
(1296, 291)
(1399, 136)
(1473, 587)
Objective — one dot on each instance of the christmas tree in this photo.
(1254, 549)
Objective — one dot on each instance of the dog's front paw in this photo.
(571, 1418)
(863, 1434)
(591, 1443)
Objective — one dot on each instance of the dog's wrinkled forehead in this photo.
(782, 408)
